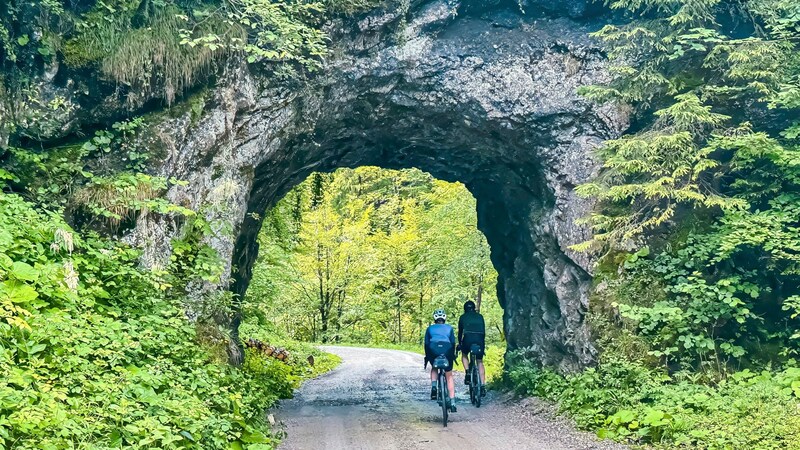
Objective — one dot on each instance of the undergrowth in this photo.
(301, 353)
(95, 353)
(629, 401)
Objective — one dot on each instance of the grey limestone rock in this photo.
(486, 98)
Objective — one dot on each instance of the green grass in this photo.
(299, 352)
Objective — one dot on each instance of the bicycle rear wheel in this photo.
(472, 393)
(444, 397)
(477, 388)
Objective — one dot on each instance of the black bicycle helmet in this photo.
(469, 306)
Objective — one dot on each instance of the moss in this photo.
(608, 266)
(219, 171)
(197, 105)
(149, 58)
(99, 33)
(351, 6)
(194, 107)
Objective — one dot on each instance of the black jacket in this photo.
(471, 324)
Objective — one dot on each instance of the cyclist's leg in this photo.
(451, 386)
(434, 376)
(466, 344)
(465, 365)
(481, 368)
(429, 359)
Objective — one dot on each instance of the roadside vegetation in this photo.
(696, 307)
(698, 229)
(96, 352)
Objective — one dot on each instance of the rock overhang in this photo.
(487, 97)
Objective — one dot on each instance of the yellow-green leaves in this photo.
(366, 255)
(22, 271)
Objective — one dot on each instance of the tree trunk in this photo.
(479, 297)
(323, 324)
(399, 322)
(420, 315)
(339, 311)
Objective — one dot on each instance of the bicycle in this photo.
(474, 376)
(442, 394)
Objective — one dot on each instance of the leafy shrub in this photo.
(493, 362)
(629, 401)
(694, 313)
(93, 353)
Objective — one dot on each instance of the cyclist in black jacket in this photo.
(472, 330)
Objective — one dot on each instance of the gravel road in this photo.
(379, 399)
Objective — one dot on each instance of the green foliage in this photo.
(629, 401)
(94, 353)
(699, 150)
(155, 48)
(125, 195)
(493, 362)
(51, 176)
(707, 159)
(48, 176)
(272, 31)
(365, 255)
(351, 6)
(140, 47)
(703, 198)
(193, 259)
(298, 363)
(17, 42)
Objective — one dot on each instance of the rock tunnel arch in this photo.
(489, 100)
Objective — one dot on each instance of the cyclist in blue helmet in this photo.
(440, 339)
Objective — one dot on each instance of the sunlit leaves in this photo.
(373, 250)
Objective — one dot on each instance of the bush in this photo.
(94, 353)
(300, 353)
(629, 401)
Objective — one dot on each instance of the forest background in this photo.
(365, 255)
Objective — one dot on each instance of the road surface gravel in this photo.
(379, 399)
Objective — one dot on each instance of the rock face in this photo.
(481, 95)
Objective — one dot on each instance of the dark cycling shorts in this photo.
(466, 345)
(436, 348)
